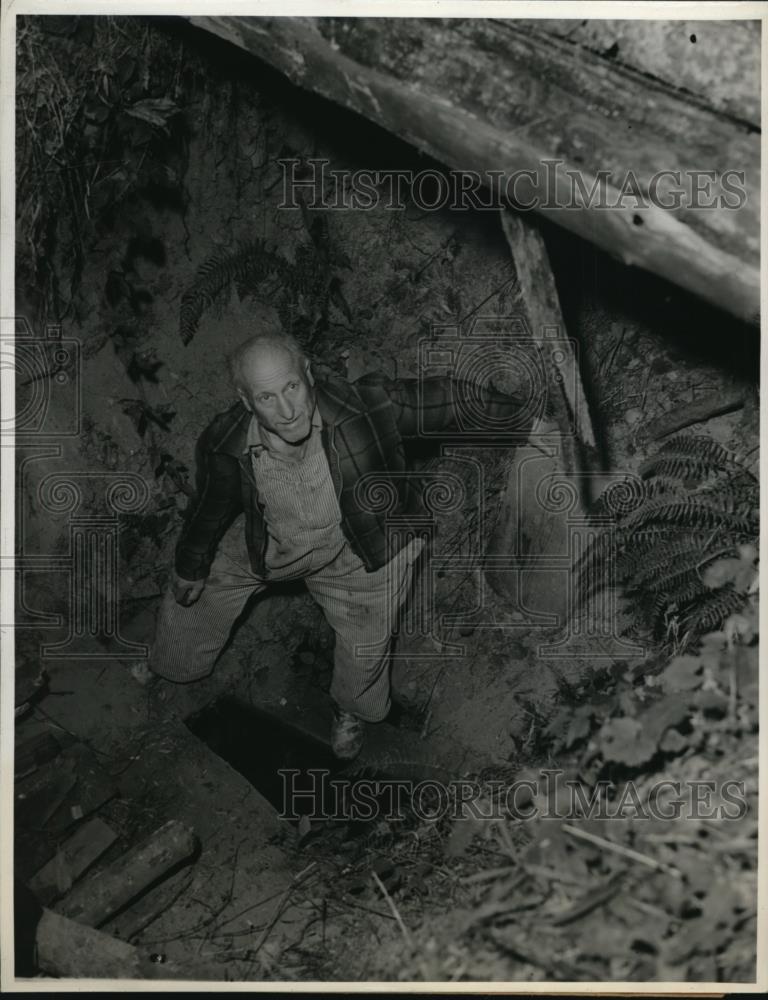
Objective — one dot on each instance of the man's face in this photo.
(279, 390)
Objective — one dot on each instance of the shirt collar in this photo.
(254, 440)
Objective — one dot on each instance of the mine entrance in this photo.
(264, 749)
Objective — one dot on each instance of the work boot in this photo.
(346, 734)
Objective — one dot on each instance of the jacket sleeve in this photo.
(437, 405)
(217, 501)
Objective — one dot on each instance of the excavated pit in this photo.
(268, 752)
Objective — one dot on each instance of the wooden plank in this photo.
(480, 95)
(31, 753)
(715, 61)
(69, 949)
(94, 787)
(97, 898)
(537, 286)
(72, 860)
(527, 527)
(38, 797)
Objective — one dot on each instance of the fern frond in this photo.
(251, 262)
(671, 561)
(709, 613)
(692, 457)
(735, 496)
(629, 551)
(687, 512)
(699, 502)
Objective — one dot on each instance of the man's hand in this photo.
(186, 592)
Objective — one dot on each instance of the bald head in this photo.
(260, 354)
(273, 380)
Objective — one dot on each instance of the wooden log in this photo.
(481, 95)
(694, 413)
(145, 910)
(74, 858)
(96, 899)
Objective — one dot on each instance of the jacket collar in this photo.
(336, 401)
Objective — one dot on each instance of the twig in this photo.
(395, 912)
(625, 852)
(488, 874)
(587, 905)
(736, 846)
(280, 904)
(346, 901)
(649, 908)
(507, 846)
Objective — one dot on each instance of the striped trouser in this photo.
(360, 607)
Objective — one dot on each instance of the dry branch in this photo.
(694, 413)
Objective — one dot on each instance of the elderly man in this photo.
(290, 454)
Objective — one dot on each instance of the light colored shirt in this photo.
(301, 510)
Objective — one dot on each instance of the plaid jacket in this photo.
(365, 426)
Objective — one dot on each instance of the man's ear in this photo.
(244, 400)
(308, 373)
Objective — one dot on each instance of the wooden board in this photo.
(41, 794)
(71, 950)
(717, 62)
(530, 532)
(94, 787)
(31, 753)
(73, 859)
(95, 899)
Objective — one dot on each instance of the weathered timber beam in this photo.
(717, 62)
(94, 900)
(478, 95)
(537, 284)
(695, 412)
(71, 950)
